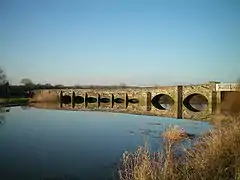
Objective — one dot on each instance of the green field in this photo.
(13, 100)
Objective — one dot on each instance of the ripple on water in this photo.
(59, 143)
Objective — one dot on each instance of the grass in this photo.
(215, 155)
(13, 100)
(174, 133)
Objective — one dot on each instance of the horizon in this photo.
(127, 85)
(108, 43)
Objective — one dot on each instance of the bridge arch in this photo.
(104, 100)
(79, 99)
(91, 99)
(66, 99)
(133, 100)
(119, 100)
(196, 102)
(162, 101)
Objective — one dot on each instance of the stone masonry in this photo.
(139, 100)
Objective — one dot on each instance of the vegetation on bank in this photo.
(13, 92)
(215, 155)
(13, 100)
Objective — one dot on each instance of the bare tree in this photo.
(4, 84)
(26, 81)
(3, 77)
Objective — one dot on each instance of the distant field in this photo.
(13, 100)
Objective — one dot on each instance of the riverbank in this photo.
(4, 101)
(215, 155)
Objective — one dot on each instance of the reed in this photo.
(215, 155)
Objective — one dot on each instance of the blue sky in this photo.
(138, 42)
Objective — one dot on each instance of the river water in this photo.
(55, 144)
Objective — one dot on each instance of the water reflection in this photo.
(84, 145)
(166, 106)
(138, 109)
(199, 107)
(25, 107)
(2, 119)
(3, 111)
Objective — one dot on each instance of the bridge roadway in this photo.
(145, 101)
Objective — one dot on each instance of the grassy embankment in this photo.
(13, 100)
(216, 154)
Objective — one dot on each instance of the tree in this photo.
(3, 77)
(4, 84)
(122, 84)
(26, 81)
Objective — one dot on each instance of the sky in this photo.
(108, 42)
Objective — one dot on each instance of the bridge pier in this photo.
(98, 100)
(85, 100)
(149, 103)
(216, 98)
(218, 102)
(73, 99)
(112, 100)
(179, 102)
(60, 98)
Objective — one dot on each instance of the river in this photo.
(38, 144)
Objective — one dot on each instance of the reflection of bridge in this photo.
(148, 101)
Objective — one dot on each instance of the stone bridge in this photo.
(197, 102)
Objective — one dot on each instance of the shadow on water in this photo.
(26, 107)
(163, 108)
(3, 111)
(6, 108)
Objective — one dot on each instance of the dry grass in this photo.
(45, 96)
(174, 133)
(142, 165)
(215, 156)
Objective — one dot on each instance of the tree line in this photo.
(8, 90)
(28, 83)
